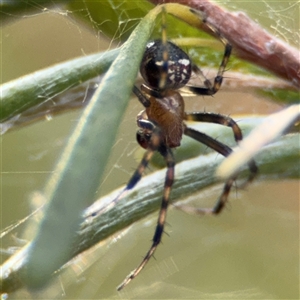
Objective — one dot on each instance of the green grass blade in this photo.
(78, 172)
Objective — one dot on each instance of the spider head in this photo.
(165, 66)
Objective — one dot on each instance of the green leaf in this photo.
(83, 161)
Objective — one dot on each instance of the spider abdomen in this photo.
(178, 65)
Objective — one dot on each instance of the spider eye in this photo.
(153, 66)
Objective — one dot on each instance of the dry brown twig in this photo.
(250, 41)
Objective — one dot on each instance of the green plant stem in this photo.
(33, 89)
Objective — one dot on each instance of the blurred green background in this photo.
(251, 251)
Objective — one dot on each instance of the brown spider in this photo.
(165, 69)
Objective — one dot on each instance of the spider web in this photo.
(53, 34)
(280, 18)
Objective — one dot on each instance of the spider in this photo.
(166, 69)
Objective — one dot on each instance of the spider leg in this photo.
(225, 151)
(142, 98)
(169, 158)
(211, 89)
(152, 146)
(226, 121)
